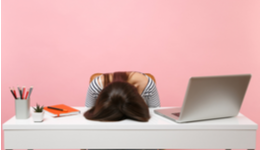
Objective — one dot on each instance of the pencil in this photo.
(26, 94)
(12, 93)
(30, 92)
(23, 92)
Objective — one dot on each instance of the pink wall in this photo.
(56, 45)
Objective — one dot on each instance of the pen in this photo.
(12, 93)
(57, 108)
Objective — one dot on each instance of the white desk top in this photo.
(78, 122)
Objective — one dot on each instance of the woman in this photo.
(120, 95)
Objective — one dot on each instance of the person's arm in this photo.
(151, 95)
(92, 94)
(154, 100)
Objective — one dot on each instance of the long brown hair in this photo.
(118, 100)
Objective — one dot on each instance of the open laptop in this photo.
(210, 97)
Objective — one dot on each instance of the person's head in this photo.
(117, 101)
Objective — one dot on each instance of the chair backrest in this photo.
(151, 76)
(98, 74)
(93, 76)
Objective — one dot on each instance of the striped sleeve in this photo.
(93, 92)
(150, 94)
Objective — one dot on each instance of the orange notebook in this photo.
(57, 113)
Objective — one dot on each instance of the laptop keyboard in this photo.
(176, 114)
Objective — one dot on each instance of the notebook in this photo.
(58, 113)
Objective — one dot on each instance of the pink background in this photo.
(55, 45)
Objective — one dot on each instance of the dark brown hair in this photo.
(117, 101)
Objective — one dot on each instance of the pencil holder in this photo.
(22, 108)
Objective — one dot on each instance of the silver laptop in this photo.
(210, 97)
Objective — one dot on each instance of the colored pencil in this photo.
(12, 93)
(20, 91)
(23, 92)
(30, 92)
(26, 94)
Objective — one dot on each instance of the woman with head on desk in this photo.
(121, 95)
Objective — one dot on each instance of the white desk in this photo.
(75, 132)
